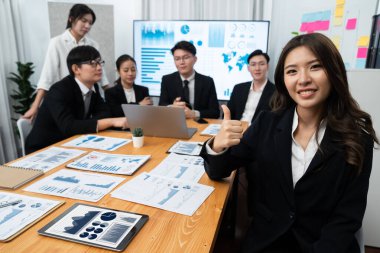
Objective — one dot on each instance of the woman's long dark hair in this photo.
(342, 113)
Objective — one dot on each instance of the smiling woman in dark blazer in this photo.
(314, 154)
(126, 91)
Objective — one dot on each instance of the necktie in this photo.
(87, 101)
(186, 91)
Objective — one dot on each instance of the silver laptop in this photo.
(158, 121)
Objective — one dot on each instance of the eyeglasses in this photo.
(94, 63)
(183, 58)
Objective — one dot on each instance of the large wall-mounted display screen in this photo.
(222, 50)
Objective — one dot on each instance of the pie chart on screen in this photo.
(185, 29)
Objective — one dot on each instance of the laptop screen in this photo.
(159, 121)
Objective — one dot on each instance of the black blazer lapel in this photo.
(264, 99)
(78, 97)
(138, 93)
(327, 149)
(121, 94)
(283, 142)
(178, 85)
(93, 101)
(197, 89)
(244, 96)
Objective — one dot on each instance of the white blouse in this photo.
(55, 66)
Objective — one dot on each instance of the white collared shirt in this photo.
(83, 88)
(130, 95)
(55, 66)
(301, 158)
(191, 85)
(252, 102)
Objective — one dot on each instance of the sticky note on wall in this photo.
(339, 10)
(362, 52)
(336, 41)
(338, 21)
(351, 24)
(363, 41)
(360, 63)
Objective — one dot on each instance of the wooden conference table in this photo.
(164, 232)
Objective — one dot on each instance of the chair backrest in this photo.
(360, 239)
(24, 126)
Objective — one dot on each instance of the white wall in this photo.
(287, 15)
(36, 26)
(365, 88)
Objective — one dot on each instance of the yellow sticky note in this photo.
(340, 2)
(363, 41)
(338, 21)
(336, 40)
(339, 10)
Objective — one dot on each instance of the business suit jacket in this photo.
(61, 115)
(115, 97)
(326, 206)
(239, 97)
(205, 99)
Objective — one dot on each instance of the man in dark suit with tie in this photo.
(248, 99)
(186, 88)
(73, 105)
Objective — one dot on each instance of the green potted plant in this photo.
(138, 137)
(25, 93)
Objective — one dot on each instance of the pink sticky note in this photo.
(362, 52)
(303, 27)
(351, 24)
(310, 27)
(324, 25)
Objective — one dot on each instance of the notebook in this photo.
(158, 121)
(14, 177)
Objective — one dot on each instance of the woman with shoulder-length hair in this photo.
(314, 155)
(125, 90)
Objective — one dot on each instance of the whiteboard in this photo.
(365, 88)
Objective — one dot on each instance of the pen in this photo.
(9, 203)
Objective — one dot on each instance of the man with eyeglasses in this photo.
(249, 98)
(73, 105)
(80, 20)
(186, 88)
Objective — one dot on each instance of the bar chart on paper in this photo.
(110, 163)
(76, 185)
(97, 142)
(48, 159)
